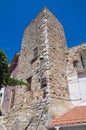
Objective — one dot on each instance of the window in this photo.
(43, 82)
(83, 61)
(75, 61)
(35, 52)
(29, 82)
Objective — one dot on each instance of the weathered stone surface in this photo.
(2, 126)
(33, 109)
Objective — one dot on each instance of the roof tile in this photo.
(74, 115)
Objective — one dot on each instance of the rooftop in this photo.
(73, 116)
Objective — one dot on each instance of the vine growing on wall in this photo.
(5, 78)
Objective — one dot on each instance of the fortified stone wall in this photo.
(42, 64)
(58, 86)
(57, 57)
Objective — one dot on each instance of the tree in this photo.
(4, 73)
(5, 78)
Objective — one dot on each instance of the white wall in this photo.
(77, 88)
(1, 98)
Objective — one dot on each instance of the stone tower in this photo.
(42, 63)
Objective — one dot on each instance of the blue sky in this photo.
(15, 15)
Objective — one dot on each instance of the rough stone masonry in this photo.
(42, 63)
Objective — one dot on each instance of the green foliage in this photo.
(14, 82)
(4, 73)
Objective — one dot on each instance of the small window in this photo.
(75, 61)
(83, 62)
(44, 82)
(35, 52)
(29, 82)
